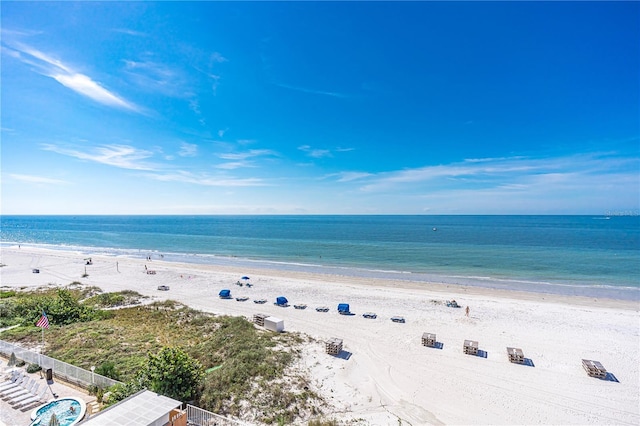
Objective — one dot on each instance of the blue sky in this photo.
(320, 108)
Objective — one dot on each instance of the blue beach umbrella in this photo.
(246, 278)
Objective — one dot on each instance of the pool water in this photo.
(69, 411)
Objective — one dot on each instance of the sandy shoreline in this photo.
(389, 375)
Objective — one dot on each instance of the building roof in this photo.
(141, 409)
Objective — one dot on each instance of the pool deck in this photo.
(15, 417)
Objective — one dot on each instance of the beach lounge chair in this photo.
(594, 368)
(300, 306)
(452, 304)
(19, 390)
(35, 271)
(163, 287)
(397, 319)
(429, 340)
(242, 298)
(322, 309)
(370, 315)
(34, 399)
(515, 355)
(470, 347)
(260, 301)
(30, 394)
(21, 380)
(13, 377)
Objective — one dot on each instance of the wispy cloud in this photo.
(315, 152)
(188, 150)
(205, 179)
(247, 154)
(129, 32)
(312, 91)
(121, 156)
(37, 179)
(64, 74)
(509, 173)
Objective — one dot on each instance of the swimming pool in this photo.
(69, 411)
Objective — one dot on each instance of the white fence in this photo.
(67, 372)
(199, 417)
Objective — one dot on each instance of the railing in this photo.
(199, 417)
(67, 372)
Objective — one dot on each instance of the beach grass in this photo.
(251, 362)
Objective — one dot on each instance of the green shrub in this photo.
(33, 368)
(20, 363)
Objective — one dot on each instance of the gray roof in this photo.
(141, 409)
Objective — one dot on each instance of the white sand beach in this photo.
(385, 375)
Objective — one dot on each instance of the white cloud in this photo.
(247, 154)
(85, 86)
(188, 150)
(121, 156)
(80, 83)
(315, 152)
(36, 179)
(205, 179)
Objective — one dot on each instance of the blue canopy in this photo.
(281, 300)
(225, 293)
(343, 307)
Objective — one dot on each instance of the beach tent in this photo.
(343, 308)
(282, 301)
(225, 294)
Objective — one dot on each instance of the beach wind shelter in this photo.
(343, 308)
(225, 294)
(282, 301)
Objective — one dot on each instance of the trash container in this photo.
(49, 374)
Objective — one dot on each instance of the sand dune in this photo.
(385, 374)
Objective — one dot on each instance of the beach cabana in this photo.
(282, 301)
(225, 294)
(343, 309)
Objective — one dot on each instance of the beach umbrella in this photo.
(245, 278)
(53, 421)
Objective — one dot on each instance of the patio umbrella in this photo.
(53, 421)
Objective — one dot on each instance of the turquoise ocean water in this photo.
(593, 256)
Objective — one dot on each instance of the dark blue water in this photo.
(585, 255)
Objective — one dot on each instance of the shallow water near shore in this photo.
(594, 256)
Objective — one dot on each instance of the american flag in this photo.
(43, 321)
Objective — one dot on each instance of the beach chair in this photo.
(260, 301)
(594, 368)
(470, 347)
(397, 319)
(242, 299)
(429, 340)
(370, 315)
(515, 355)
(333, 346)
(452, 304)
(300, 306)
(322, 309)
(33, 400)
(32, 392)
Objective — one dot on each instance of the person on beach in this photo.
(466, 311)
